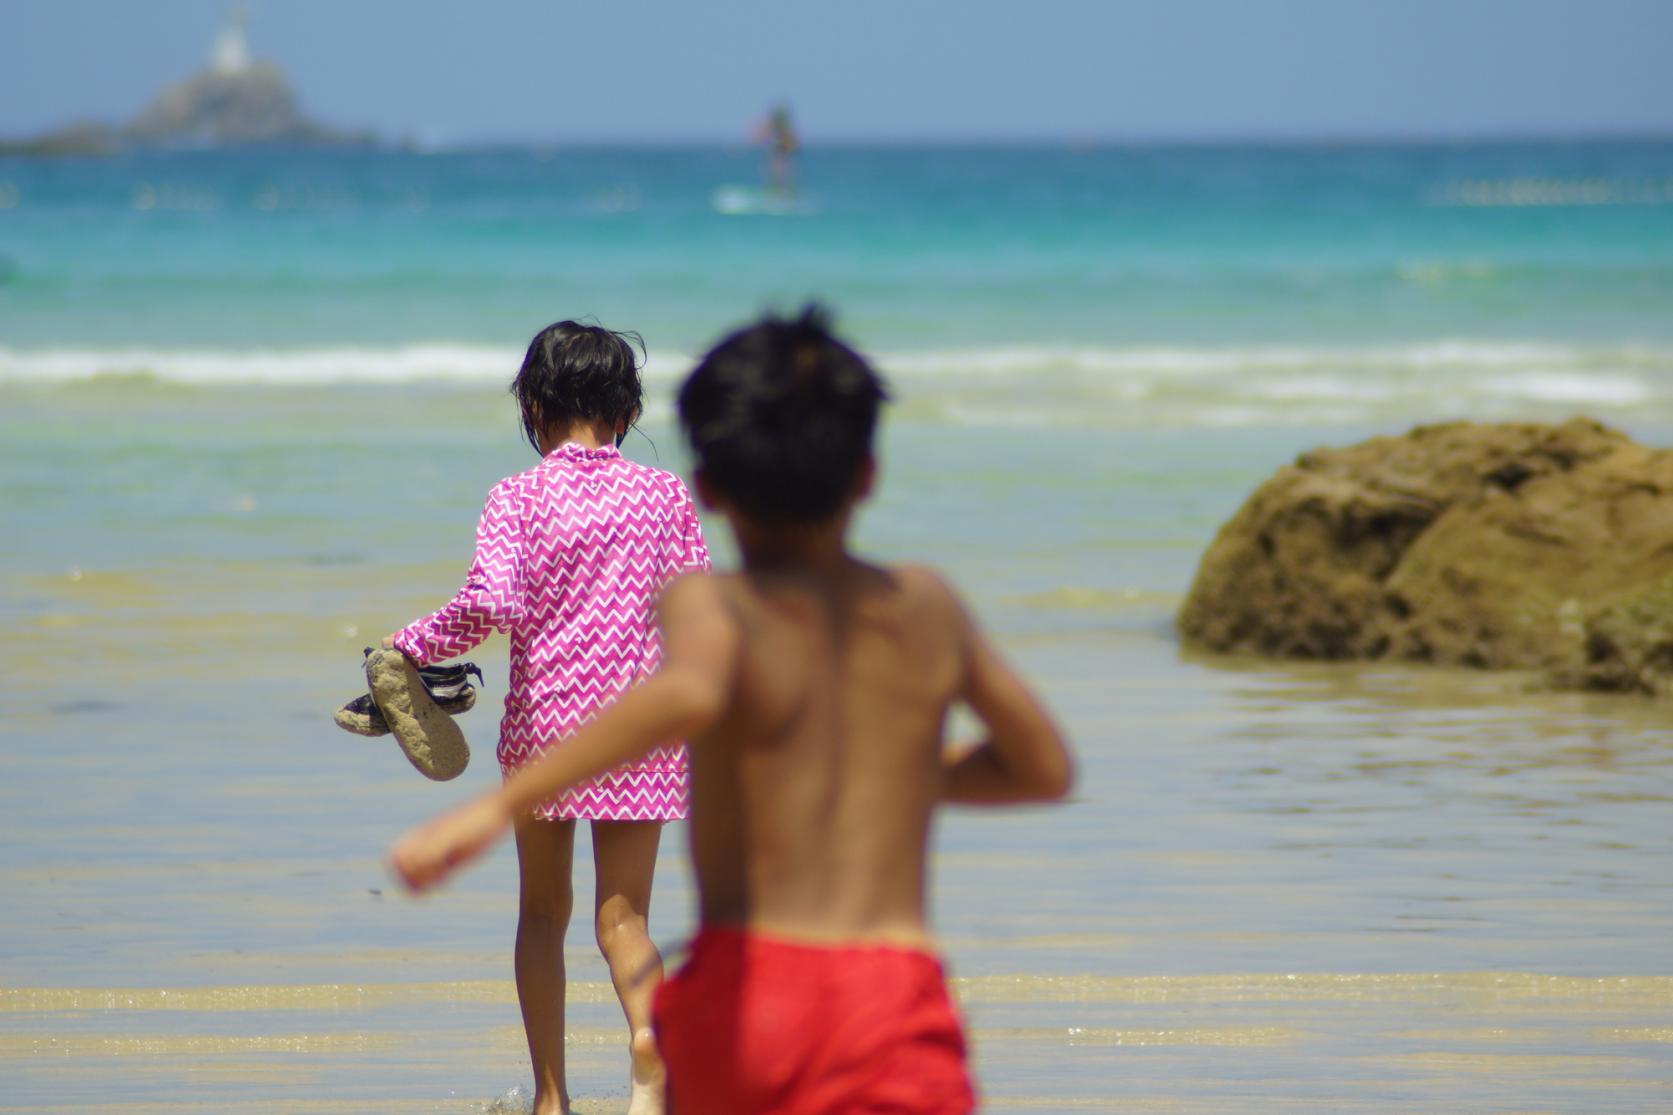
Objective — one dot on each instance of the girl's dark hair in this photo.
(780, 416)
(574, 371)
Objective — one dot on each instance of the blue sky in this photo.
(445, 71)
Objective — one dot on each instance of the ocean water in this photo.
(249, 404)
(1320, 279)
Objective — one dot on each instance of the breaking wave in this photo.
(1030, 386)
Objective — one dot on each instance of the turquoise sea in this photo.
(250, 402)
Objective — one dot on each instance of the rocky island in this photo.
(238, 100)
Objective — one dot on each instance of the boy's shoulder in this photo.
(930, 604)
(925, 580)
(920, 586)
(914, 583)
(912, 579)
(920, 591)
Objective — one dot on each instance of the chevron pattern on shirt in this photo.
(570, 557)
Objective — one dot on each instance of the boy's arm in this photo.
(681, 700)
(1024, 757)
(688, 693)
(487, 602)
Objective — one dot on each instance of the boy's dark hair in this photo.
(574, 371)
(780, 416)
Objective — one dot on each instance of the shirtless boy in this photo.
(814, 689)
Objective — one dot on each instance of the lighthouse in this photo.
(231, 55)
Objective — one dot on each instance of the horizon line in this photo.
(416, 142)
(439, 140)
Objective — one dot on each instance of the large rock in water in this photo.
(1629, 645)
(1516, 545)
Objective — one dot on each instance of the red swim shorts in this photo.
(756, 1026)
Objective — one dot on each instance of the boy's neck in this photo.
(817, 547)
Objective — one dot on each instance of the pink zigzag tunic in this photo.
(570, 558)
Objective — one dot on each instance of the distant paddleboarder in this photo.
(778, 133)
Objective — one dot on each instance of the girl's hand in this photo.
(389, 642)
(429, 854)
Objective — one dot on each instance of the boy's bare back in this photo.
(819, 777)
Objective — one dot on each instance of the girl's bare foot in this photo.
(556, 1105)
(647, 1081)
(517, 1102)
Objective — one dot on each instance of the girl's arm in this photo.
(681, 701)
(488, 601)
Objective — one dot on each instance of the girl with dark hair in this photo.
(570, 558)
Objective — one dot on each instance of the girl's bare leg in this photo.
(624, 858)
(545, 854)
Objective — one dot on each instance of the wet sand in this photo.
(1462, 1041)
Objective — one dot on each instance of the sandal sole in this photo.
(429, 738)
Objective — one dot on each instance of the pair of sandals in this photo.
(416, 704)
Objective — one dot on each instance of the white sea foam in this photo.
(1570, 387)
(1323, 387)
(1034, 385)
(1224, 360)
(261, 366)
